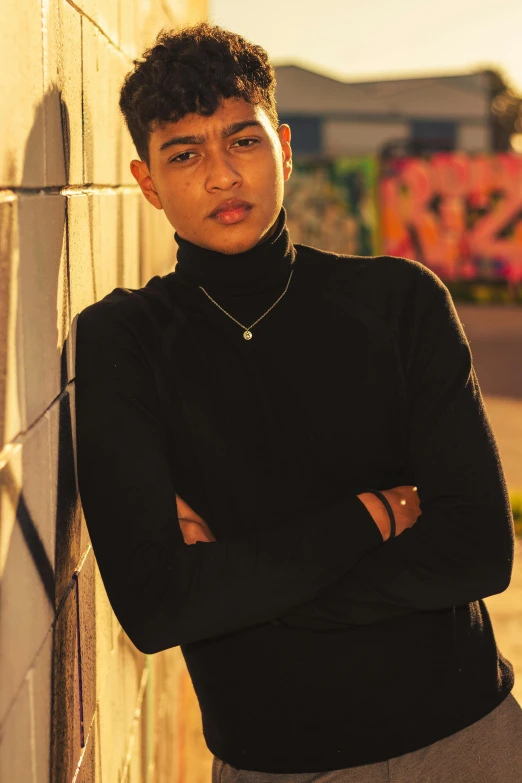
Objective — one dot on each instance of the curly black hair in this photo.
(192, 69)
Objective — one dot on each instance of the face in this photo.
(219, 179)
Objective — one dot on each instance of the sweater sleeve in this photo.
(461, 547)
(163, 591)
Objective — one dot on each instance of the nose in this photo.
(221, 173)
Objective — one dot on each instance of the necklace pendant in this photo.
(247, 334)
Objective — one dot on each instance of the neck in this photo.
(263, 266)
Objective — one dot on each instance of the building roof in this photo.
(301, 91)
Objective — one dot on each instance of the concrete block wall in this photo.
(78, 702)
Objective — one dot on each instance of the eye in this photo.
(250, 144)
(180, 159)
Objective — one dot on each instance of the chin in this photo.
(232, 245)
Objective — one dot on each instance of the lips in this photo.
(233, 210)
(230, 205)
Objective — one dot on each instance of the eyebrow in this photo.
(227, 131)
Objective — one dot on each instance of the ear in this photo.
(140, 172)
(285, 135)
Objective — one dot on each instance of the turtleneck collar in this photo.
(263, 266)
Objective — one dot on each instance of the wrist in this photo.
(377, 509)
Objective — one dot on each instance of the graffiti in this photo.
(332, 205)
(459, 215)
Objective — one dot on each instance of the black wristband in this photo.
(389, 509)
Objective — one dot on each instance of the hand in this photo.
(405, 503)
(193, 527)
(193, 531)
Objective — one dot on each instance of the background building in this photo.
(333, 118)
(420, 168)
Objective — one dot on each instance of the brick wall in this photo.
(78, 702)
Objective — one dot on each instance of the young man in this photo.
(291, 412)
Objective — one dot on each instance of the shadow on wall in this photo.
(42, 338)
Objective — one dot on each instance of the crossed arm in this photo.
(289, 572)
(404, 501)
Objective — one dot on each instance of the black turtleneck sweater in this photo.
(312, 644)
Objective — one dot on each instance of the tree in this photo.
(506, 111)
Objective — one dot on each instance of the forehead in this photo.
(230, 110)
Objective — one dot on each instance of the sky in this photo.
(382, 38)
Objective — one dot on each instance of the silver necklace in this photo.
(247, 334)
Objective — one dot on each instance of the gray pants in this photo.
(488, 751)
